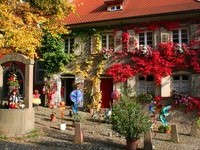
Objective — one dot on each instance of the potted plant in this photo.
(167, 129)
(129, 120)
(53, 116)
(161, 128)
(164, 128)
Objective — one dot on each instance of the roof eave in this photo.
(138, 19)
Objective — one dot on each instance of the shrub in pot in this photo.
(161, 128)
(129, 120)
(164, 128)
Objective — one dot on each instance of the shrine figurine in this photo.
(13, 100)
(14, 97)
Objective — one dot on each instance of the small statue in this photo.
(13, 100)
(36, 98)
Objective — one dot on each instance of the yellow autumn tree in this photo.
(22, 23)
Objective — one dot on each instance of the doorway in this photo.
(66, 88)
(106, 87)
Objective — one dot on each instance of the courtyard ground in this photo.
(97, 135)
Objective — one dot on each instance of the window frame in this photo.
(108, 41)
(115, 7)
(37, 70)
(146, 83)
(69, 49)
(180, 83)
(180, 38)
(146, 38)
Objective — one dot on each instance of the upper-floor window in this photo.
(181, 83)
(39, 72)
(180, 36)
(146, 85)
(114, 8)
(146, 38)
(107, 41)
(69, 45)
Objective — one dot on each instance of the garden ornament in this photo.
(76, 96)
(164, 112)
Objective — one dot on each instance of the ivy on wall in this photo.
(53, 55)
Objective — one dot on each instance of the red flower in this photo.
(157, 98)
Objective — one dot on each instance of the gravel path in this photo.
(48, 136)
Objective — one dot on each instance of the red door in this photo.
(106, 87)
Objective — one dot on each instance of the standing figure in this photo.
(36, 98)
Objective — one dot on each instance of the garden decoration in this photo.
(108, 115)
(76, 96)
(49, 89)
(115, 95)
(52, 90)
(152, 107)
(36, 98)
(14, 101)
(154, 111)
(62, 108)
(164, 112)
(58, 89)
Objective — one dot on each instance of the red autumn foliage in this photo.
(162, 62)
(120, 72)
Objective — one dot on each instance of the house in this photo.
(111, 37)
(109, 22)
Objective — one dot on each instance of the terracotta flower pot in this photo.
(132, 144)
(53, 117)
(168, 131)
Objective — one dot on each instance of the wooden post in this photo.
(78, 137)
(148, 141)
(174, 133)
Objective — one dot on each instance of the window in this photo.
(146, 85)
(146, 38)
(180, 36)
(114, 8)
(39, 72)
(107, 41)
(69, 45)
(181, 83)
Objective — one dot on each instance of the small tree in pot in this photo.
(129, 120)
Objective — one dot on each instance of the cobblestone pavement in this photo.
(48, 136)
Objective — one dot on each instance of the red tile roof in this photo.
(95, 10)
